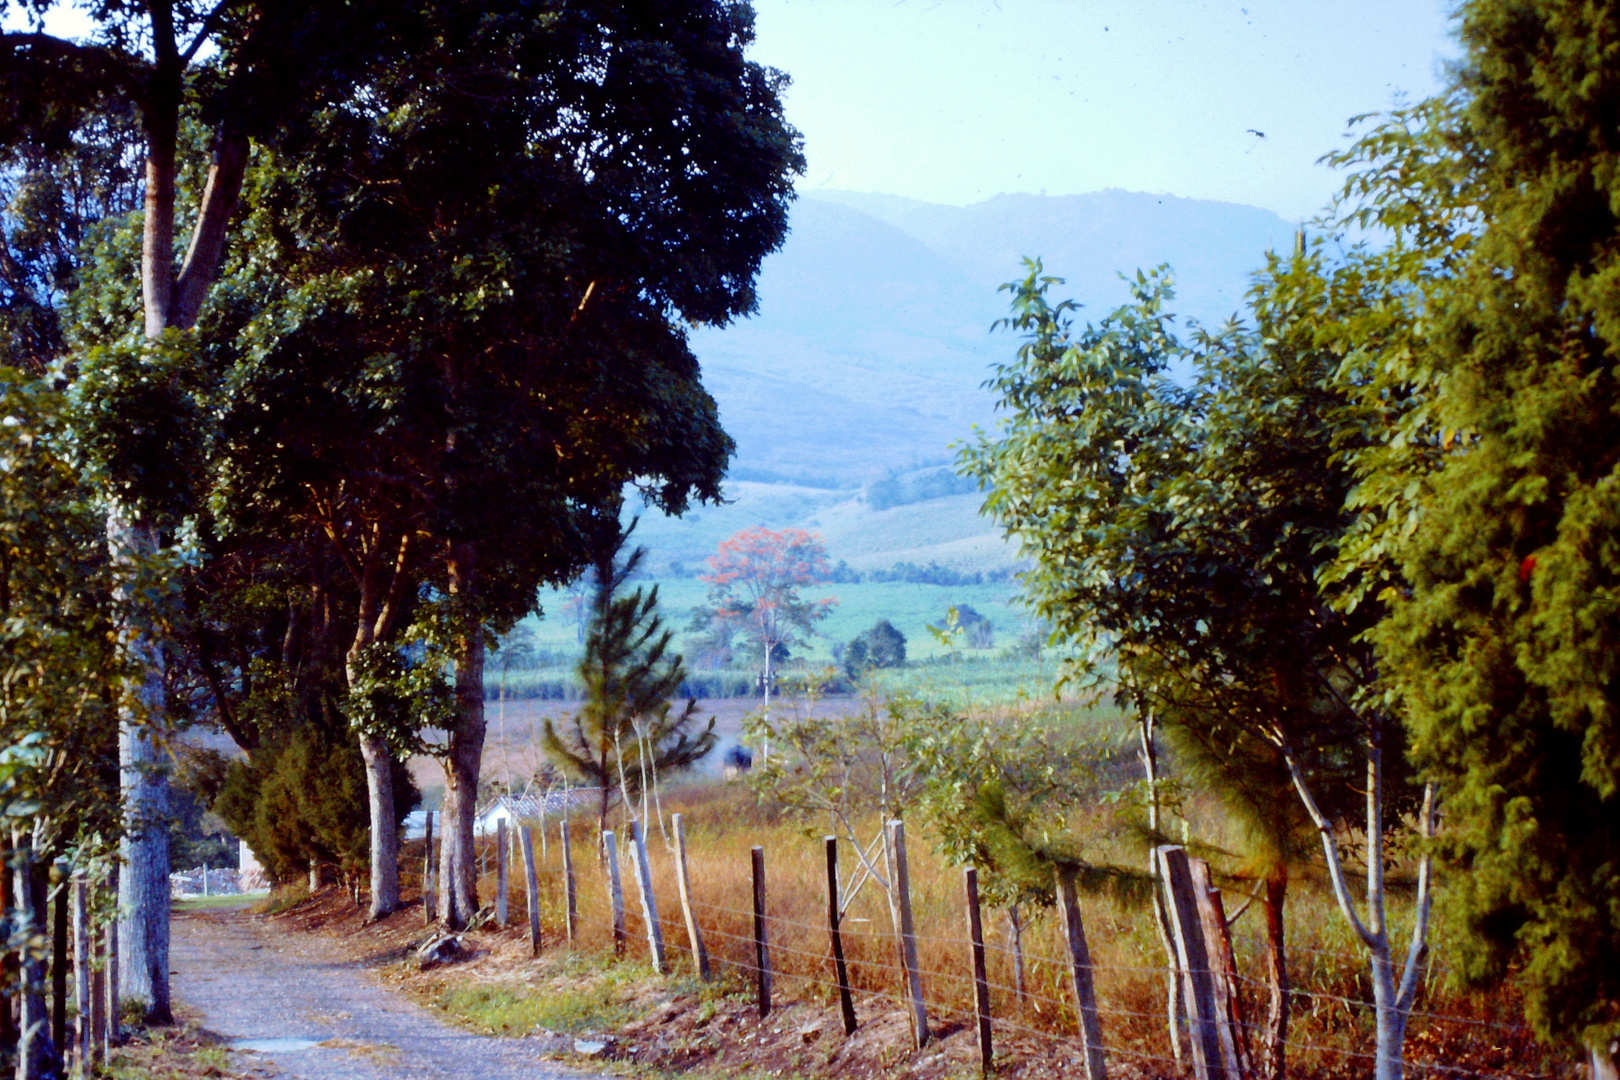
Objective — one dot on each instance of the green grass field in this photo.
(911, 608)
(933, 670)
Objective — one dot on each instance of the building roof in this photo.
(533, 806)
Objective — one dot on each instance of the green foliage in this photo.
(1503, 650)
(301, 800)
(61, 670)
(1179, 531)
(1004, 796)
(627, 733)
(848, 766)
(881, 646)
(398, 690)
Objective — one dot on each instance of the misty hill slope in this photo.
(1089, 240)
(872, 342)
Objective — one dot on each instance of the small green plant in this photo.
(591, 1005)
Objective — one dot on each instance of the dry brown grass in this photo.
(1332, 1026)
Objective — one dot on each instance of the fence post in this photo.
(82, 963)
(8, 1022)
(34, 1051)
(429, 894)
(59, 878)
(1188, 932)
(1235, 1057)
(532, 885)
(649, 903)
(610, 844)
(981, 978)
(700, 955)
(1085, 994)
(570, 890)
(762, 949)
(908, 936)
(98, 987)
(115, 1022)
(846, 1000)
(502, 908)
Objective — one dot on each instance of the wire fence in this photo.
(1330, 1025)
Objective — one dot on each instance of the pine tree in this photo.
(627, 733)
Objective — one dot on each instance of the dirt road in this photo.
(288, 1001)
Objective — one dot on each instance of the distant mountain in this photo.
(866, 359)
(873, 332)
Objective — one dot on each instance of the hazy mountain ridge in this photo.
(867, 356)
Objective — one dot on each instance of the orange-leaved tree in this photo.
(755, 579)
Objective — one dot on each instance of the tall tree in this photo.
(266, 63)
(1503, 650)
(1179, 533)
(548, 190)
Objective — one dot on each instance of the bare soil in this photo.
(290, 1004)
(321, 972)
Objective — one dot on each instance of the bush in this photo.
(302, 801)
(880, 647)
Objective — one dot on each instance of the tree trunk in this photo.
(1175, 1004)
(36, 1056)
(379, 759)
(143, 886)
(1273, 1043)
(1392, 1003)
(382, 587)
(1600, 1053)
(458, 878)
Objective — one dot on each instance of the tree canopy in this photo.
(1502, 649)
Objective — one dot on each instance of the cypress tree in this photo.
(1505, 648)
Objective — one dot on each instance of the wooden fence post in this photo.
(762, 949)
(429, 895)
(532, 885)
(1085, 993)
(61, 959)
(846, 1000)
(8, 959)
(502, 908)
(33, 1015)
(700, 955)
(81, 977)
(908, 936)
(1235, 1057)
(649, 903)
(570, 889)
(98, 993)
(1188, 931)
(610, 844)
(981, 978)
(115, 1021)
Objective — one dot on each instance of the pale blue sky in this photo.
(957, 100)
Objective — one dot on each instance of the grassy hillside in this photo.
(947, 530)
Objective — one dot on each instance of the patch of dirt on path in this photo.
(660, 1024)
(305, 1005)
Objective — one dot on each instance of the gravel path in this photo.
(290, 1003)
